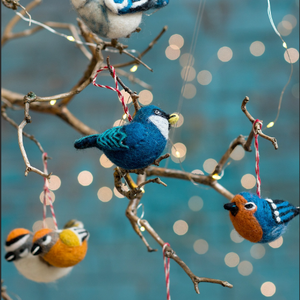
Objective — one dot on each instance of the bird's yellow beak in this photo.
(173, 119)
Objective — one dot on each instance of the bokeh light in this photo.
(294, 55)
(118, 122)
(52, 195)
(186, 59)
(209, 165)
(105, 162)
(257, 48)
(277, 243)
(104, 194)
(127, 97)
(54, 183)
(195, 203)
(177, 40)
(200, 246)
(204, 77)
(292, 19)
(116, 192)
(257, 251)
(248, 181)
(197, 171)
(268, 289)
(225, 54)
(285, 28)
(172, 52)
(235, 237)
(188, 73)
(231, 259)
(85, 178)
(178, 150)
(189, 91)
(238, 153)
(245, 268)
(145, 97)
(180, 227)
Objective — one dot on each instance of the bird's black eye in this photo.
(46, 239)
(250, 206)
(157, 112)
(22, 250)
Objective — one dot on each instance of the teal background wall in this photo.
(117, 264)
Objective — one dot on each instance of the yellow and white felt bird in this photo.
(18, 245)
(61, 248)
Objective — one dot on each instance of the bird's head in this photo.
(43, 240)
(242, 215)
(18, 244)
(158, 117)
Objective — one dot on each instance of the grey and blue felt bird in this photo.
(137, 144)
(260, 220)
(114, 18)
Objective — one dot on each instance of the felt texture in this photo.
(264, 224)
(114, 18)
(32, 267)
(61, 248)
(135, 145)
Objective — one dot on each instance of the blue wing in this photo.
(112, 139)
(131, 6)
(285, 211)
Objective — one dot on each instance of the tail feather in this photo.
(86, 142)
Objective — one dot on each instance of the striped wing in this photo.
(283, 211)
(112, 139)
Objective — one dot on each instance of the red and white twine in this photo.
(167, 270)
(116, 89)
(258, 181)
(47, 195)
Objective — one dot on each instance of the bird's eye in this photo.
(157, 112)
(22, 250)
(46, 239)
(250, 206)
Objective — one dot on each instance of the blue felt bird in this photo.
(260, 220)
(137, 144)
(114, 18)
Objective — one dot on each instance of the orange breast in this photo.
(62, 256)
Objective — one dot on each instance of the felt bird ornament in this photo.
(18, 245)
(61, 248)
(114, 18)
(137, 144)
(260, 220)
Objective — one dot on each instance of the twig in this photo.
(4, 294)
(134, 79)
(26, 120)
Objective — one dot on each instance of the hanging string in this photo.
(258, 181)
(116, 89)
(48, 195)
(167, 270)
(271, 124)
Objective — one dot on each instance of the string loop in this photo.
(116, 89)
(167, 270)
(255, 130)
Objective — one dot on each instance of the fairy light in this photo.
(70, 38)
(271, 124)
(134, 68)
(52, 102)
(142, 228)
(284, 45)
(124, 116)
(216, 176)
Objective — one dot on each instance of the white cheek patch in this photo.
(17, 244)
(162, 124)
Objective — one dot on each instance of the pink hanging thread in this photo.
(47, 194)
(258, 181)
(167, 270)
(113, 89)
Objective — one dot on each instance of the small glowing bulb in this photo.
(134, 68)
(142, 190)
(124, 117)
(142, 228)
(284, 45)
(271, 124)
(70, 38)
(177, 153)
(216, 176)
(52, 102)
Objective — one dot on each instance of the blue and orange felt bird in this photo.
(61, 248)
(260, 220)
(114, 18)
(137, 144)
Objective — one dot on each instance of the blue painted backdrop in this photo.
(117, 264)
